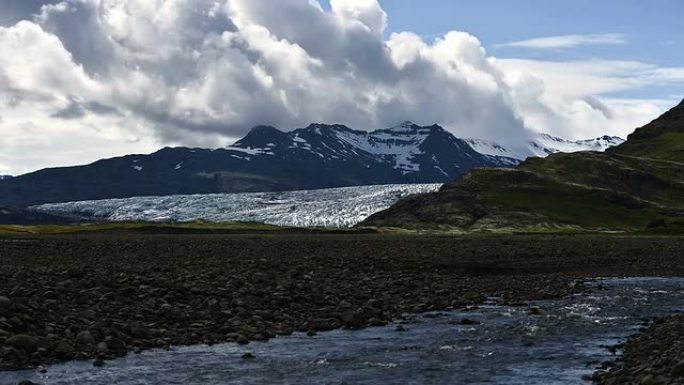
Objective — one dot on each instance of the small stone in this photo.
(27, 382)
(324, 324)
(241, 339)
(376, 322)
(102, 347)
(248, 356)
(678, 370)
(400, 328)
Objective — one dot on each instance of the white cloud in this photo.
(569, 41)
(90, 78)
(565, 98)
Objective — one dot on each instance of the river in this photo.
(548, 342)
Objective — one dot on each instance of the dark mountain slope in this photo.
(635, 186)
(318, 156)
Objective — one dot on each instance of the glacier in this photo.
(333, 208)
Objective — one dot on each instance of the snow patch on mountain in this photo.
(400, 144)
(251, 151)
(544, 145)
(491, 148)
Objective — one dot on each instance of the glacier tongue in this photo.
(335, 208)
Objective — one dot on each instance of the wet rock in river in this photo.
(534, 311)
(465, 321)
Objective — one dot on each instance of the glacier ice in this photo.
(335, 207)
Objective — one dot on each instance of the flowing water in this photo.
(567, 339)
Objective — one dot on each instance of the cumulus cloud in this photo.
(569, 41)
(558, 97)
(82, 79)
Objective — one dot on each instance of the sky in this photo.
(82, 80)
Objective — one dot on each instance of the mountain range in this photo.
(635, 186)
(267, 159)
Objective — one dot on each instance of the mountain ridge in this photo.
(635, 186)
(266, 159)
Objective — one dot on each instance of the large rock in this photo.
(140, 331)
(5, 306)
(64, 350)
(353, 319)
(23, 342)
(5, 303)
(116, 345)
(85, 338)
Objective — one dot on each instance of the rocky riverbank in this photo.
(655, 357)
(98, 297)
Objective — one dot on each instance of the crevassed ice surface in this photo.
(335, 207)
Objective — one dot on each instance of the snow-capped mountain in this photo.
(266, 159)
(544, 145)
(420, 154)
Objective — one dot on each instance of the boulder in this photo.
(141, 331)
(5, 303)
(85, 338)
(23, 342)
(116, 345)
(352, 319)
(64, 350)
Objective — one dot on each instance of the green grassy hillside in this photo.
(635, 187)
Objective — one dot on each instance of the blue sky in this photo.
(652, 31)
